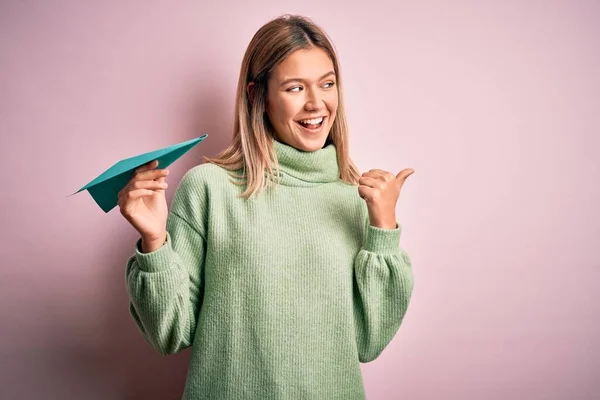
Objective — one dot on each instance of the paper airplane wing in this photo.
(105, 188)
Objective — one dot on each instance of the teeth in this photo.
(312, 121)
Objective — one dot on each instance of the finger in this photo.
(367, 193)
(370, 182)
(375, 175)
(151, 185)
(152, 164)
(136, 185)
(402, 175)
(380, 174)
(149, 175)
(136, 194)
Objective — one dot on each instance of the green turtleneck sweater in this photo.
(280, 296)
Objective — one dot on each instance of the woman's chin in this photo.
(302, 140)
(311, 144)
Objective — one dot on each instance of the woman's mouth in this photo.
(311, 125)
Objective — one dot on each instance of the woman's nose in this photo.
(313, 101)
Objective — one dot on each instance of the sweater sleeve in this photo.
(165, 286)
(382, 289)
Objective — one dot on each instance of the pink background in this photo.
(495, 105)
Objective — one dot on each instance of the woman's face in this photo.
(302, 99)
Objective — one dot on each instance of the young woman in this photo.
(278, 263)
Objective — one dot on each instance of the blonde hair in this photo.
(251, 149)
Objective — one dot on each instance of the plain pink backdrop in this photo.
(496, 105)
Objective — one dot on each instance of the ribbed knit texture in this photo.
(281, 296)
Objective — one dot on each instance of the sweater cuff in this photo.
(157, 260)
(383, 241)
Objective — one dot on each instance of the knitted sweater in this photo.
(281, 296)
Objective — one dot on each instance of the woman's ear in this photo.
(250, 91)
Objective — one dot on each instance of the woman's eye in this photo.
(329, 84)
(295, 89)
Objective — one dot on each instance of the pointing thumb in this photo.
(402, 175)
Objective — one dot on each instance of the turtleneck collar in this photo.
(301, 168)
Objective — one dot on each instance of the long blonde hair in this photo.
(251, 149)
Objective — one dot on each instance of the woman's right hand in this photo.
(143, 203)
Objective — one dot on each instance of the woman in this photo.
(278, 263)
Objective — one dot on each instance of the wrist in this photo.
(385, 225)
(383, 222)
(151, 244)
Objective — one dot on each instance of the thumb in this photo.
(402, 175)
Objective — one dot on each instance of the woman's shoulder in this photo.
(205, 175)
(206, 171)
(200, 184)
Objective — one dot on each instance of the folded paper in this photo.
(105, 188)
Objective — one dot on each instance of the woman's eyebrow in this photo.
(301, 80)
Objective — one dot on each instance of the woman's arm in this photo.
(165, 286)
(383, 284)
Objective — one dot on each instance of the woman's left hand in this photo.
(381, 190)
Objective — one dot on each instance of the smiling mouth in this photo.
(311, 124)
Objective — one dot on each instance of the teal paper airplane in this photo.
(105, 188)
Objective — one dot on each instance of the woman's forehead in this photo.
(309, 64)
